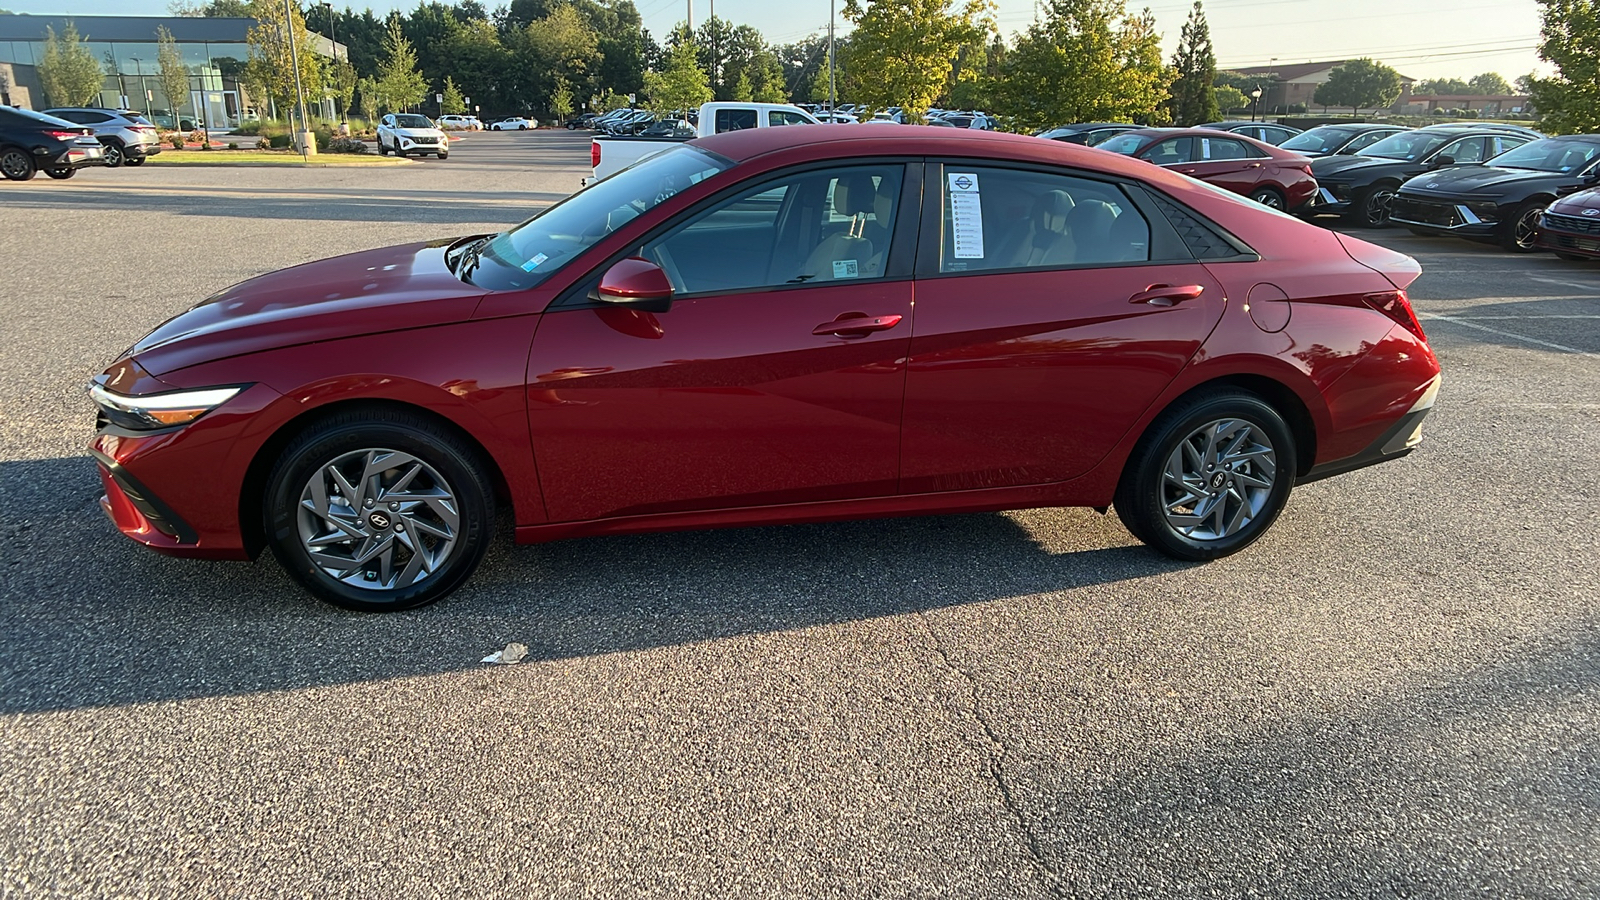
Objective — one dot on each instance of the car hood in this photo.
(1487, 180)
(418, 132)
(374, 291)
(1575, 204)
(1327, 166)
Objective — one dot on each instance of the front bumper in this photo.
(1572, 235)
(1327, 200)
(1443, 216)
(422, 145)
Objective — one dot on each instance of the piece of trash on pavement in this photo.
(512, 654)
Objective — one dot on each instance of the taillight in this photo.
(1396, 306)
(65, 135)
(594, 154)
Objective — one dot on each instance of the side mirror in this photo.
(636, 283)
(1440, 162)
(1592, 177)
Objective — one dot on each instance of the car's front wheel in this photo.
(1370, 208)
(1208, 477)
(1520, 232)
(379, 510)
(134, 161)
(16, 165)
(444, 155)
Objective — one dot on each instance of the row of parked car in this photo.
(59, 142)
(1490, 182)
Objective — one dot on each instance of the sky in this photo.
(1421, 38)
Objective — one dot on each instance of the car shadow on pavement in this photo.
(92, 619)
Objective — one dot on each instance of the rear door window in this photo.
(1215, 149)
(1171, 151)
(776, 117)
(735, 119)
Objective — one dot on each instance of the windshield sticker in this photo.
(846, 268)
(532, 264)
(966, 215)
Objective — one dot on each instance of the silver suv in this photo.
(127, 136)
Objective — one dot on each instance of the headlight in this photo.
(1488, 212)
(160, 410)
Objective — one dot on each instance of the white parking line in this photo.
(1591, 287)
(1510, 334)
(1520, 318)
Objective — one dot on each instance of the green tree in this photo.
(1569, 101)
(560, 46)
(609, 101)
(342, 84)
(453, 103)
(215, 9)
(741, 90)
(271, 66)
(399, 83)
(372, 101)
(1359, 83)
(1085, 61)
(682, 85)
(68, 70)
(172, 74)
(1445, 87)
(901, 52)
(1489, 83)
(1524, 83)
(1194, 92)
(1230, 98)
(561, 102)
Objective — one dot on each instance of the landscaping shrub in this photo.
(264, 144)
(176, 140)
(233, 145)
(280, 142)
(346, 145)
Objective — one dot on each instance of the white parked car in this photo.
(404, 134)
(514, 123)
(836, 118)
(459, 123)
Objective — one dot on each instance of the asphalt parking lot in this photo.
(1396, 693)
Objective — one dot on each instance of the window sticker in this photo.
(966, 215)
(846, 268)
(1205, 148)
(532, 264)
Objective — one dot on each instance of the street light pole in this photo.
(333, 37)
(139, 70)
(299, 91)
(832, 100)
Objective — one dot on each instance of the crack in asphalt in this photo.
(996, 757)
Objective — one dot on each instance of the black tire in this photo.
(1369, 208)
(1571, 257)
(61, 173)
(1519, 233)
(382, 150)
(16, 164)
(444, 155)
(460, 472)
(114, 156)
(135, 161)
(1141, 494)
(1270, 197)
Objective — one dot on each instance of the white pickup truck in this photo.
(609, 154)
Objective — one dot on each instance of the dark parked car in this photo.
(1502, 199)
(127, 136)
(1361, 187)
(1338, 140)
(1087, 133)
(1265, 132)
(30, 142)
(1570, 227)
(725, 334)
(582, 121)
(1264, 173)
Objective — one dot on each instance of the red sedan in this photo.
(1266, 174)
(773, 325)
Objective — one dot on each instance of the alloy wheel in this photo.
(1375, 209)
(113, 156)
(15, 165)
(1526, 231)
(1218, 479)
(378, 519)
(1268, 198)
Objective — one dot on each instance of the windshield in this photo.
(1406, 145)
(1322, 139)
(533, 251)
(1549, 155)
(409, 121)
(1126, 144)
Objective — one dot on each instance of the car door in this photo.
(1464, 150)
(777, 376)
(1052, 309)
(1225, 162)
(1364, 140)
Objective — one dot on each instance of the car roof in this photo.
(1089, 126)
(1496, 127)
(1232, 122)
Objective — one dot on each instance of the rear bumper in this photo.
(141, 151)
(72, 158)
(1396, 441)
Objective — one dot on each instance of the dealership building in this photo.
(214, 51)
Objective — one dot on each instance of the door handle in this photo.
(1167, 294)
(857, 326)
(1253, 165)
(1188, 171)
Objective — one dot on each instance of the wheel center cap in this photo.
(1217, 480)
(378, 520)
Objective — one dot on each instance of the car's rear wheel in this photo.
(1520, 232)
(16, 165)
(379, 510)
(113, 155)
(1269, 197)
(1209, 476)
(382, 150)
(1370, 208)
(61, 172)
(133, 161)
